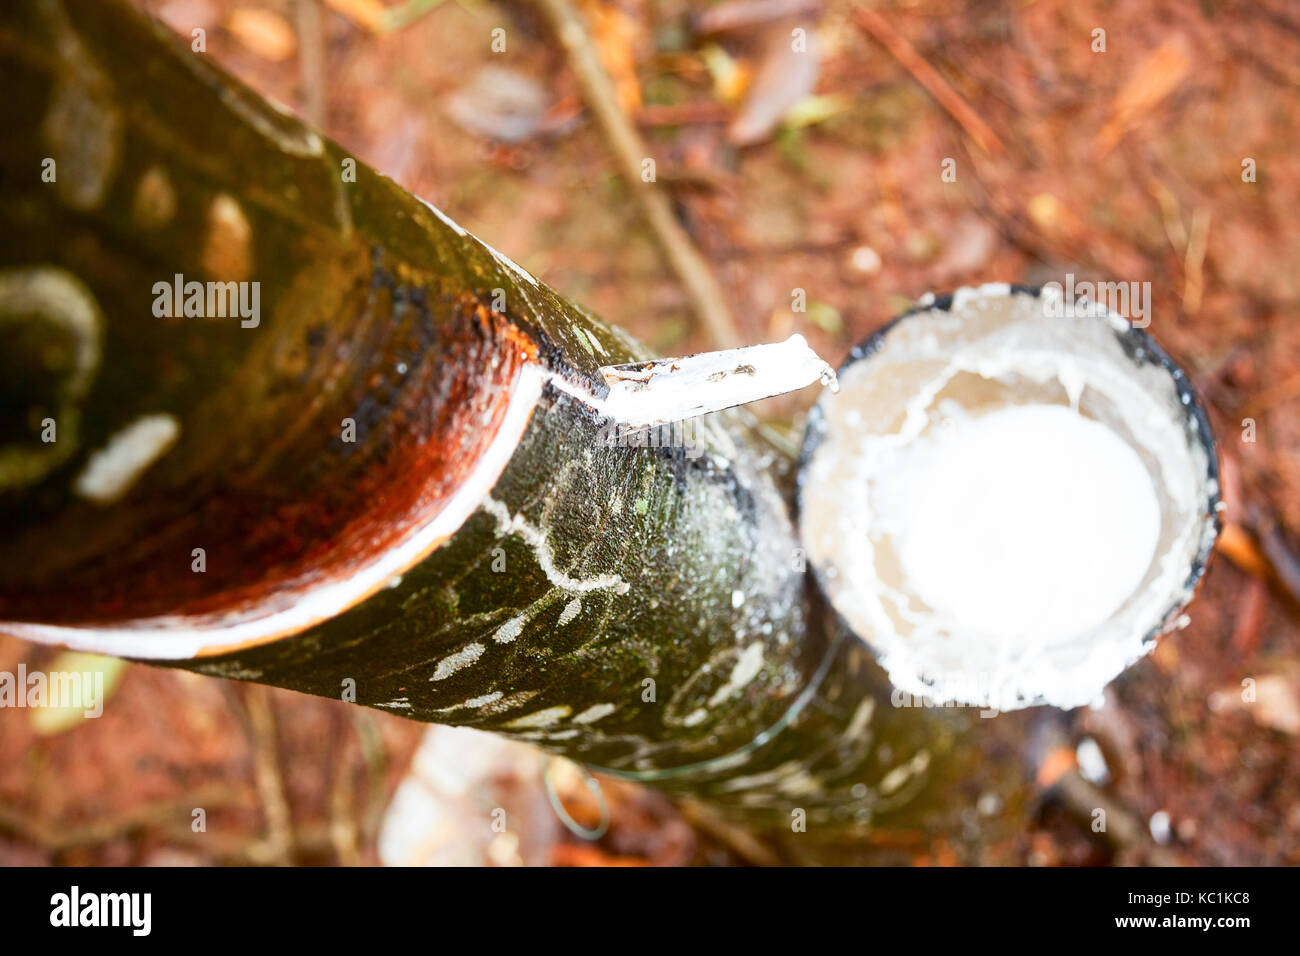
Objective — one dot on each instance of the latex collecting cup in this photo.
(1010, 498)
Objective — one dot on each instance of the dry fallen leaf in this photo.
(787, 73)
(1273, 701)
(615, 35)
(1158, 75)
(263, 32)
(75, 688)
(1277, 704)
(370, 14)
(500, 104)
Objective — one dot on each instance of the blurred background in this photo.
(830, 162)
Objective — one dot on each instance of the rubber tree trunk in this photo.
(391, 481)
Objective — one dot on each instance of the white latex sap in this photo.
(1027, 523)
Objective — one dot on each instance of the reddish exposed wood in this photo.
(283, 500)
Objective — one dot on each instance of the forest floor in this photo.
(908, 148)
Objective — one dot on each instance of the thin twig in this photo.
(902, 51)
(311, 61)
(1194, 262)
(278, 843)
(1123, 831)
(1058, 774)
(58, 836)
(376, 759)
(344, 830)
(702, 287)
(741, 842)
